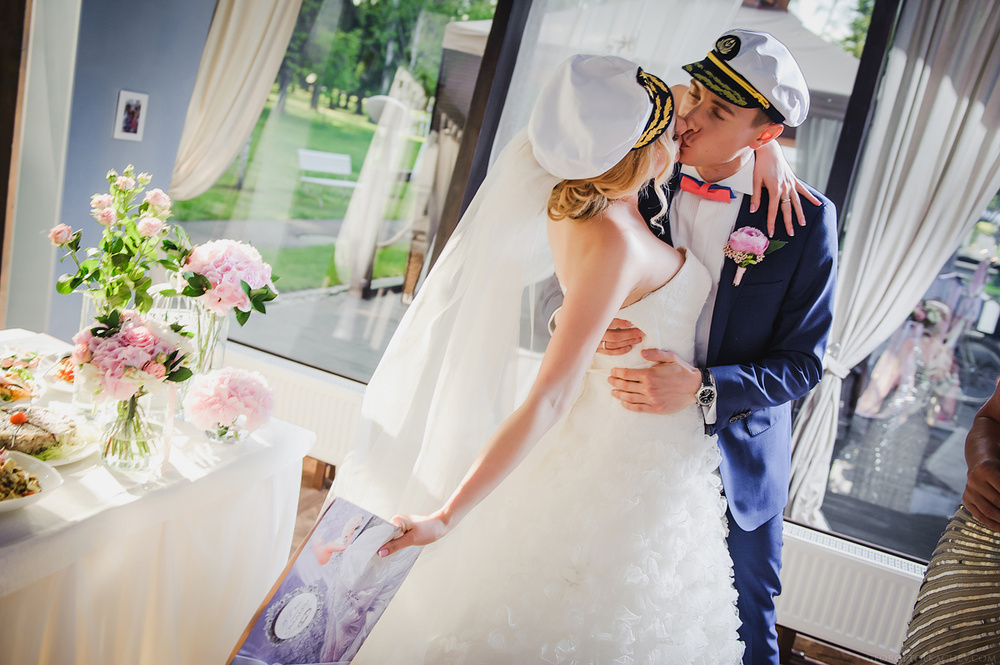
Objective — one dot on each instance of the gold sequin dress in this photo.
(957, 615)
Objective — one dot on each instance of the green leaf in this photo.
(64, 285)
(143, 301)
(182, 374)
(241, 316)
(198, 282)
(774, 245)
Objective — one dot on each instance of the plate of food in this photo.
(45, 434)
(24, 480)
(60, 375)
(17, 375)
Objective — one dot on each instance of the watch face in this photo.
(706, 396)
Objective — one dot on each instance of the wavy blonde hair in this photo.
(585, 199)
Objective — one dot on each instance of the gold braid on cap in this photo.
(663, 108)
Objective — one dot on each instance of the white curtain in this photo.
(243, 52)
(931, 164)
(660, 35)
(377, 192)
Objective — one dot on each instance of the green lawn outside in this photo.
(272, 189)
(308, 267)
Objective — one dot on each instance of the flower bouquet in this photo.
(228, 403)
(223, 275)
(115, 273)
(125, 358)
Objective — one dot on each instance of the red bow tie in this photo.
(719, 193)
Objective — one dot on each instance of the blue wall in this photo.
(148, 46)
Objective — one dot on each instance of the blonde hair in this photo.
(585, 199)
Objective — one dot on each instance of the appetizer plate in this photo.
(73, 453)
(48, 478)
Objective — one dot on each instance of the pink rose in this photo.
(124, 182)
(107, 217)
(101, 201)
(81, 354)
(60, 234)
(149, 226)
(748, 239)
(157, 198)
(138, 336)
(155, 369)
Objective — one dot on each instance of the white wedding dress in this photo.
(606, 545)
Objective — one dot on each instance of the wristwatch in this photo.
(706, 394)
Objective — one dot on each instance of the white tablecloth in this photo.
(105, 571)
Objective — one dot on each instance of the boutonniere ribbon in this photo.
(748, 246)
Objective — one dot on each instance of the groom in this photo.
(759, 344)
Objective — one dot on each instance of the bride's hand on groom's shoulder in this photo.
(414, 530)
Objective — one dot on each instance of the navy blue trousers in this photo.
(756, 563)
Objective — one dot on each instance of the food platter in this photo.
(48, 478)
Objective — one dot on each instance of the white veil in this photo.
(449, 375)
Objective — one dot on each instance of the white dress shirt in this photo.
(703, 226)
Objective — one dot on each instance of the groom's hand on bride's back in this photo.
(667, 387)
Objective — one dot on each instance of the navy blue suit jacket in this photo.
(765, 350)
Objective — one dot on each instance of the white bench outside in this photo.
(333, 163)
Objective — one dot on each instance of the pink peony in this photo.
(149, 226)
(107, 216)
(132, 360)
(101, 201)
(60, 234)
(223, 396)
(748, 239)
(157, 198)
(225, 263)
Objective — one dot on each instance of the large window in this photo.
(337, 184)
(898, 468)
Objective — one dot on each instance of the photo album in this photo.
(330, 595)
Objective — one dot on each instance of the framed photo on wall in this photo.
(130, 115)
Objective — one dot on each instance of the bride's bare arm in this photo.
(595, 289)
(771, 171)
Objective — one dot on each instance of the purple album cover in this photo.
(331, 594)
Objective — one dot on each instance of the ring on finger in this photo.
(784, 201)
(604, 344)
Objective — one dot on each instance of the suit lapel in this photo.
(726, 295)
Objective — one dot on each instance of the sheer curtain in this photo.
(660, 35)
(244, 49)
(931, 165)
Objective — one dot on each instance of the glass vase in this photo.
(210, 333)
(132, 442)
(84, 392)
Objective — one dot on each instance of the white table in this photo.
(105, 571)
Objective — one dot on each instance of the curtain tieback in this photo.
(833, 365)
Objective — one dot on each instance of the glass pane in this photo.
(337, 184)
(898, 468)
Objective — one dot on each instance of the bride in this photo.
(593, 534)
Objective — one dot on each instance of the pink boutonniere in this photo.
(748, 246)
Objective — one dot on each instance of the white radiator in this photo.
(327, 404)
(847, 594)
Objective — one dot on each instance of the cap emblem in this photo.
(728, 46)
